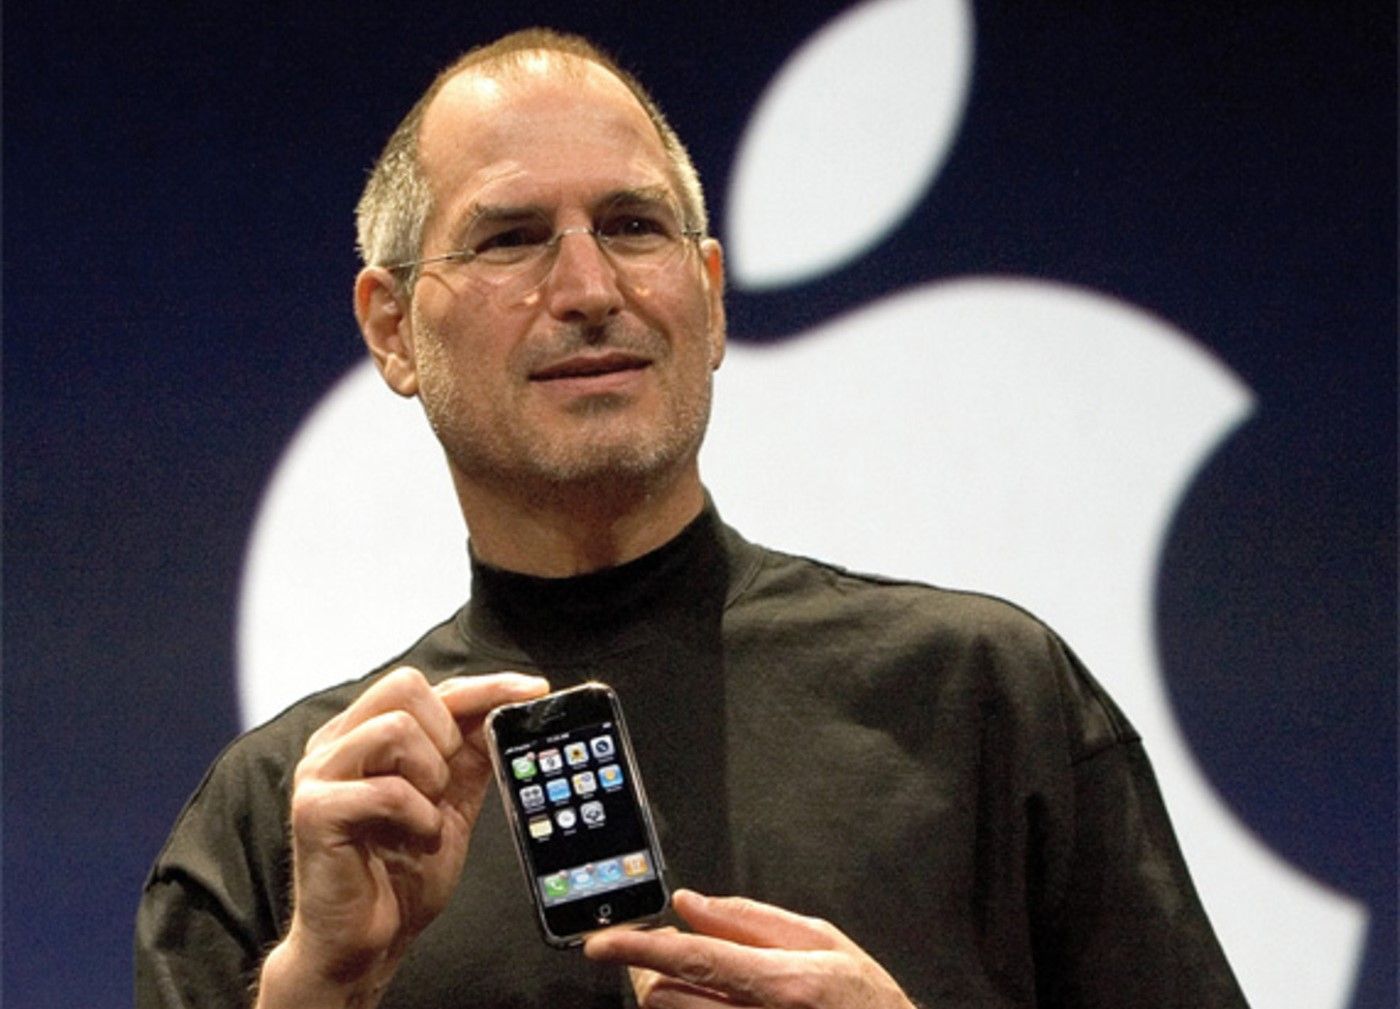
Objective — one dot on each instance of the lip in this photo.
(589, 371)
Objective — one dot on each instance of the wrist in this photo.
(293, 978)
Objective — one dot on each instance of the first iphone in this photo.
(577, 810)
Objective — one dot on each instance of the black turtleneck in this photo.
(593, 616)
(934, 772)
(651, 629)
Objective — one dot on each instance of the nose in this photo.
(582, 284)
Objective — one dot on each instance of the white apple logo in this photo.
(1001, 434)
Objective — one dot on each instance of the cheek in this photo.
(444, 378)
(696, 330)
(456, 348)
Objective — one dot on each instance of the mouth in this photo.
(590, 366)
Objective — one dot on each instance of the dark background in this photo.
(178, 250)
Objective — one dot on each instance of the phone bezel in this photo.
(565, 925)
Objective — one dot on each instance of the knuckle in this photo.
(802, 990)
(328, 731)
(305, 771)
(314, 741)
(437, 778)
(397, 723)
(308, 807)
(390, 794)
(825, 929)
(308, 773)
(697, 967)
(404, 677)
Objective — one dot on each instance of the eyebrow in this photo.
(639, 195)
(507, 213)
(489, 213)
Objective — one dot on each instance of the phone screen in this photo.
(572, 793)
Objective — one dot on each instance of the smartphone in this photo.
(578, 812)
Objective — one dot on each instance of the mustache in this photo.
(616, 337)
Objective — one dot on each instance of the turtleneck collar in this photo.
(592, 615)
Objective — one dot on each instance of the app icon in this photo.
(635, 865)
(556, 886)
(532, 796)
(576, 754)
(558, 789)
(592, 813)
(523, 767)
(540, 827)
(566, 818)
(584, 782)
(581, 878)
(550, 761)
(609, 871)
(602, 747)
(611, 777)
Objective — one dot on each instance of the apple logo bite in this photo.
(987, 432)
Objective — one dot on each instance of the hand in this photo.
(746, 953)
(383, 804)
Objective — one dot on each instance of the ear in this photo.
(712, 261)
(381, 308)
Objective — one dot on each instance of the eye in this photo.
(638, 228)
(633, 226)
(508, 242)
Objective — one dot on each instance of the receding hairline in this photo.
(521, 69)
(575, 60)
(527, 50)
(397, 198)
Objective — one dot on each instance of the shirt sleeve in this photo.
(217, 895)
(1127, 927)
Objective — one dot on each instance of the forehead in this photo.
(543, 133)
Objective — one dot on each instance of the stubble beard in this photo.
(603, 455)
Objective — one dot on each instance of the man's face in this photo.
(595, 374)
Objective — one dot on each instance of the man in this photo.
(921, 794)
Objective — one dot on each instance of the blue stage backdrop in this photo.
(1090, 305)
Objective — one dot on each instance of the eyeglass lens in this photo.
(513, 253)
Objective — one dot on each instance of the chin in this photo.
(609, 442)
(621, 462)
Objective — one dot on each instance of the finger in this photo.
(654, 990)
(402, 689)
(646, 982)
(324, 811)
(697, 961)
(391, 744)
(754, 923)
(470, 698)
(657, 991)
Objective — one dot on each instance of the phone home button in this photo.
(603, 914)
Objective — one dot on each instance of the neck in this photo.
(576, 529)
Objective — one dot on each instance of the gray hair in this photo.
(397, 198)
